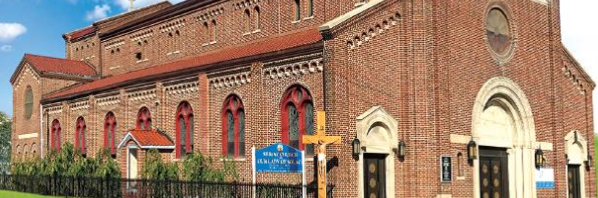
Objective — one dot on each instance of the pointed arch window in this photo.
(144, 119)
(110, 132)
(184, 128)
(310, 8)
(55, 135)
(233, 128)
(297, 118)
(80, 137)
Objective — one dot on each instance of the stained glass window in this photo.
(297, 117)
(144, 119)
(109, 133)
(185, 129)
(233, 126)
(80, 141)
(230, 134)
(55, 135)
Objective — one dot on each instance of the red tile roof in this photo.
(79, 33)
(148, 139)
(274, 44)
(58, 65)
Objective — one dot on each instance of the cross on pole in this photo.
(131, 6)
(320, 141)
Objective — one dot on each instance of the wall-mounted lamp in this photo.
(402, 149)
(539, 158)
(356, 147)
(472, 151)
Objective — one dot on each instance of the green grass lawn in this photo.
(12, 194)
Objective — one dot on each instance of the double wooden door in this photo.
(374, 175)
(494, 173)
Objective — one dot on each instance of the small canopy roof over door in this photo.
(148, 139)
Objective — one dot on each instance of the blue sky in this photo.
(36, 27)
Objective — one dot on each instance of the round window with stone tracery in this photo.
(498, 32)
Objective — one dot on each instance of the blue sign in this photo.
(545, 178)
(278, 158)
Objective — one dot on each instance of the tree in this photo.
(5, 136)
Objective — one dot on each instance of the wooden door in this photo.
(573, 181)
(494, 178)
(374, 175)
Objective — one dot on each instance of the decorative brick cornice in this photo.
(173, 25)
(377, 29)
(29, 71)
(575, 80)
(142, 95)
(246, 4)
(109, 100)
(79, 105)
(115, 44)
(209, 14)
(297, 68)
(231, 80)
(142, 35)
(182, 88)
(55, 109)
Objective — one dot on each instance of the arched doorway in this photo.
(378, 132)
(503, 127)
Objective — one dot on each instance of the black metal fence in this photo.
(107, 187)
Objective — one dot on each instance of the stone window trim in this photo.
(300, 99)
(80, 137)
(184, 127)
(501, 58)
(55, 132)
(233, 110)
(110, 133)
(144, 119)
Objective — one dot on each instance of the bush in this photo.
(70, 163)
(155, 168)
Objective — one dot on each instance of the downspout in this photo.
(41, 127)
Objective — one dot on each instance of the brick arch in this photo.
(233, 127)
(110, 124)
(144, 119)
(184, 120)
(296, 103)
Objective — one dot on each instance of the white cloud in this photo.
(10, 31)
(6, 48)
(98, 12)
(125, 4)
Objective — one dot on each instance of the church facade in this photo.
(485, 86)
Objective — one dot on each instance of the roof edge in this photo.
(349, 15)
(578, 65)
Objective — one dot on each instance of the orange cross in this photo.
(320, 140)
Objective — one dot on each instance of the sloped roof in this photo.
(269, 45)
(45, 66)
(79, 33)
(147, 139)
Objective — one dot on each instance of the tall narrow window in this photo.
(207, 31)
(297, 10)
(184, 128)
(144, 119)
(109, 133)
(310, 8)
(55, 135)
(28, 102)
(233, 128)
(258, 15)
(297, 117)
(80, 129)
(214, 30)
(247, 21)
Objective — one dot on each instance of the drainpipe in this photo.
(41, 127)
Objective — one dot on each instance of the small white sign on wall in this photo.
(545, 178)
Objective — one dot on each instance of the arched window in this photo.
(110, 132)
(28, 102)
(247, 21)
(233, 128)
(33, 151)
(25, 152)
(144, 119)
(18, 156)
(206, 31)
(184, 129)
(297, 117)
(258, 15)
(310, 8)
(55, 135)
(80, 137)
(214, 30)
(297, 10)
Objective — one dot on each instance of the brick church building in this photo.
(486, 83)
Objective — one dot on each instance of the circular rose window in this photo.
(498, 31)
